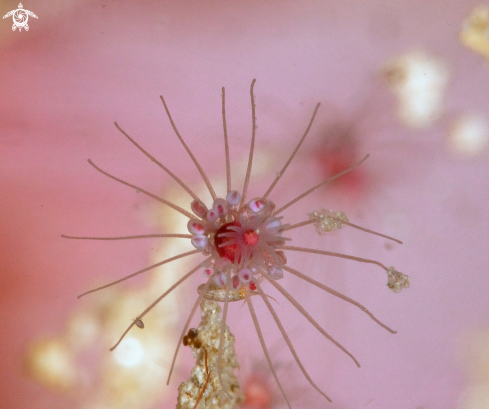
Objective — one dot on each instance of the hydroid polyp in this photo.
(245, 244)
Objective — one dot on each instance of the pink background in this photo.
(83, 65)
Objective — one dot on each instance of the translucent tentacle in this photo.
(197, 164)
(144, 236)
(252, 147)
(264, 347)
(313, 189)
(223, 328)
(173, 206)
(226, 145)
(189, 253)
(153, 159)
(187, 323)
(281, 173)
(334, 254)
(339, 295)
(302, 310)
(287, 341)
(154, 303)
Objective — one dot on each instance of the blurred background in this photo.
(405, 81)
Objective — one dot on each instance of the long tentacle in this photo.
(301, 309)
(281, 173)
(189, 253)
(173, 206)
(143, 236)
(153, 159)
(339, 295)
(287, 341)
(252, 147)
(187, 323)
(223, 327)
(197, 164)
(300, 224)
(264, 347)
(226, 144)
(303, 195)
(334, 254)
(154, 303)
(355, 226)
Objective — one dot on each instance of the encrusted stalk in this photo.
(203, 385)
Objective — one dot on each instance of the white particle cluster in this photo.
(396, 280)
(327, 220)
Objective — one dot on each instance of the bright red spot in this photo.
(251, 237)
(228, 251)
(252, 286)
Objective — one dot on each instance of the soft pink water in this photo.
(81, 67)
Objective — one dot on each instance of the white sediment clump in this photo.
(419, 81)
(203, 382)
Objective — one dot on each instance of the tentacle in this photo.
(355, 226)
(281, 173)
(252, 147)
(187, 323)
(319, 185)
(153, 159)
(154, 303)
(296, 225)
(301, 309)
(226, 145)
(189, 253)
(173, 206)
(197, 164)
(223, 328)
(144, 236)
(334, 254)
(264, 347)
(287, 341)
(339, 295)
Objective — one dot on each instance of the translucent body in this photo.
(244, 247)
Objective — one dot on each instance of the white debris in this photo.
(419, 82)
(469, 135)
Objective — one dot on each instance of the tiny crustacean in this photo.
(244, 245)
